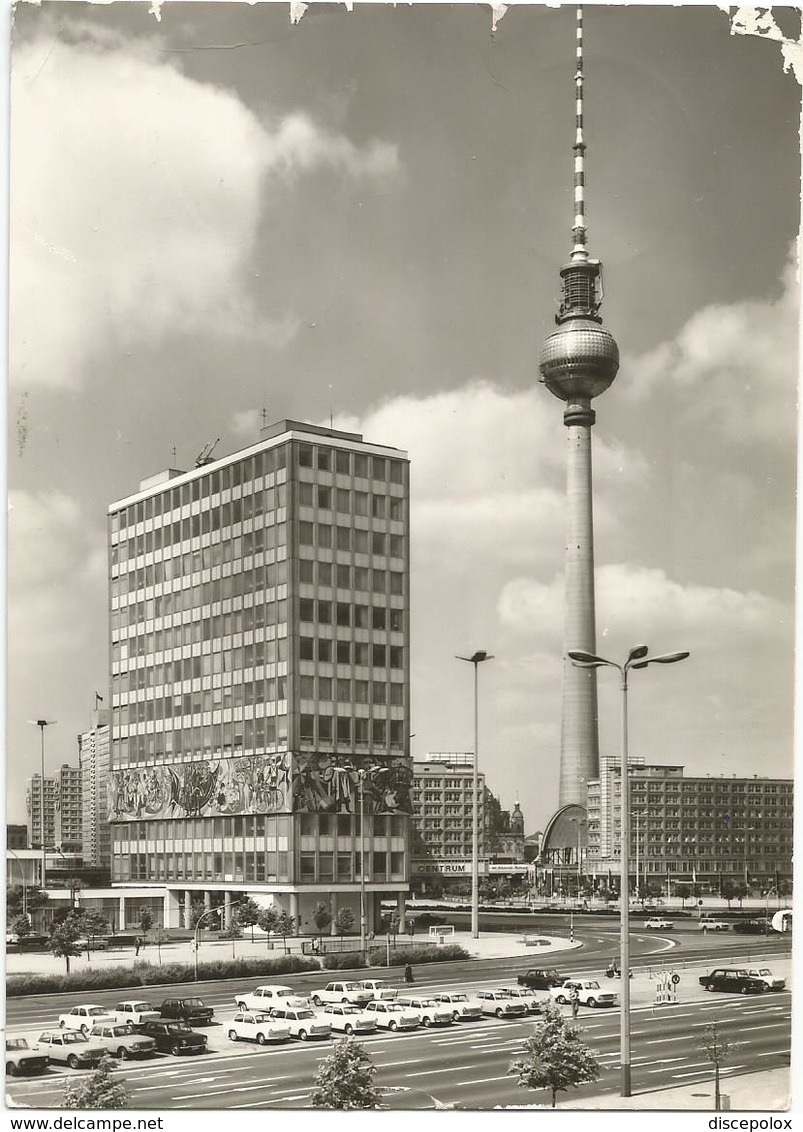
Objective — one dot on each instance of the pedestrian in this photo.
(408, 974)
(137, 945)
(575, 999)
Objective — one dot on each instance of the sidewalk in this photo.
(767, 1091)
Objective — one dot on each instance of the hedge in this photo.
(345, 960)
(423, 953)
(150, 974)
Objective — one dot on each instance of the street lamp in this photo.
(579, 822)
(200, 920)
(42, 724)
(24, 883)
(476, 660)
(362, 774)
(636, 658)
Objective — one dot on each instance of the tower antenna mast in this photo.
(579, 251)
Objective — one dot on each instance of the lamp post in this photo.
(476, 660)
(200, 920)
(361, 773)
(579, 822)
(42, 724)
(24, 883)
(636, 658)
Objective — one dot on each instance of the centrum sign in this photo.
(460, 867)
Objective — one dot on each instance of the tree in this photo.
(197, 909)
(64, 936)
(31, 896)
(344, 921)
(715, 1047)
(345, 1079)
(684, 892)
(727, 891)
(160, 936)
(97, 1089)
(322, 918)
(94, 926)
(248, 914)
(21, 928)
(740, 891)
(268, 920)
(145, 921)
(285, 926)
(555, 1058)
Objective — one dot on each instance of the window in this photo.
(396, 546)
(396, 656)
(306, 646)
(307, 728)
(360, 578)
(308, 687)
(324, 460)
(344, 652)
(305, 494)
(361, 466)
(324, 688)
(344, 691)
(396, 619)
(343, 501)
(378, 656)
(361, 503)
(361, 542)
(378, 468)
(324, 650)
(378, 544)
(362, 653)
(324, 536)
(325, 728)
(325, 612)
(343, 730)
(343, 462)
(343, 577)
(379, 617)
(324, 573)
(379, 693)
(305, 571)
(397, 694)
(306, 609)
(306, 534)
(343, 614)
(378, 506)
(344, 538)
(304, 456)
(361, 691)
(396, 471)
(324, 497)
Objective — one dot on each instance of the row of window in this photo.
(263, 610)
(240, 690)
(327, 537)
(357, 653)
(348, 825)
(345, 463)
(245, 866)
(323, 730)
(346, 502)
(345, 867)
(346, 691)
(347, 615)
(242, 737)
(189, 635)
(269, 506)
(192, 562)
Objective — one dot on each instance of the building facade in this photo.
(443, 808)
(16, 836)
(704, 830)
(54, 815)
(259, 613)
(93, 760)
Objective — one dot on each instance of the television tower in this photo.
(579, 361)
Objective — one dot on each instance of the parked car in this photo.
(71, 1047)
(589, 991)
(302, 1021)
(393, 1016)
(259, 1027)
(84, 1017)
(268, 996)
(122, 1041)
(380, 989)
(351, 992)
(193, 1011)
(174, 1037)
(20, 1058)
(734, 979)
(432, 1013)
(538, 978)
(753, 927)
(523, 994)
(657, 924)
(500, 1004)
(709, 924)
(463, 1008)
(95, 944)
(766, 975)
(348, 1019)
(134, 1012)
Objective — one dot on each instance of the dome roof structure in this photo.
(579, 359)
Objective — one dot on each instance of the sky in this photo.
(361, 215)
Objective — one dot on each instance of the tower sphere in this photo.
(579, 359)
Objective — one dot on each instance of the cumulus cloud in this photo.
(136, 194)
(740, 361)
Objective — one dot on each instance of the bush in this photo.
(422, 953)
(344, 960)
(152, 974)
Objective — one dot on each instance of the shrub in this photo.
(421, 953)
(344, 960)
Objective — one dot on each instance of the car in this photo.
(257, 1026)
(734, 979)
(464, 1009)
(589, 990)
(71, 1047)
(94, 944)
(500, 1004)
(348, 1019)
(268, 996)
(174, 1037)
(753, 927)
(85, 1017)
(303, 1022)
(392, 1016)
(432, 1013)
(538, 978)
(766, 975)
(380, 989)
(657, 924)
(192, 1010)
(351, 992)
(134, 1012)
(20, 1058)
(707, 924)
(528, 997)
(120, 1040)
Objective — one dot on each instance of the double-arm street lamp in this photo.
(42, 724)
(636, 658)
(219, 911)
(476, 660)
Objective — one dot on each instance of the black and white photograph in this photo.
(402, 419)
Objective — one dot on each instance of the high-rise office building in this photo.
(61, 821)
(93, 759)
(259, 613)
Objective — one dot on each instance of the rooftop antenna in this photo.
(205, 455)
(174, 454)
(264, 414)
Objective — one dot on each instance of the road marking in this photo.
(444, 1069)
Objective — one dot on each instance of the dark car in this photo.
(193, 1011)
(753, 927)
(735, 979)
(537, 978)
(174, 1037)
(20, 1058)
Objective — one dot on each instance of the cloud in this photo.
(136, 196)
(740, 362)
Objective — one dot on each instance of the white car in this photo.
(123, 1042)
(70, 1047)
(501, 1005)
(463, 1008)
(134, 1012)
(589, 991)
(348, 1019)
(706, 925)
(392, 1016)
(766, 975)
(254, 1026)
(354, 993)
(83, 1018)
(264, 998)
(658, 924)
(302, 1021)
(380, 990)
(432, 1013)
(528, 997)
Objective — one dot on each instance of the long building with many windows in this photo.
(54, 815)
(259, 613)
(93, 760)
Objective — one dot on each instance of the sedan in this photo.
(174, 1037)
(252, 1026)
(134, 1012)
(85, 1017)
(348, 1019)
(732, 979)
(501, 1005)
(432, 1013)
(530, 1000)
(20, 1058)
(392, 1016)
(463, 1008)
(589, 992)
(354, 993)
(122, 1041)
(380, 989)
(657, 924)
(302, 1022)
(71, 1048)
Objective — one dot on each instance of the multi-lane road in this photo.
(463, 1064)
